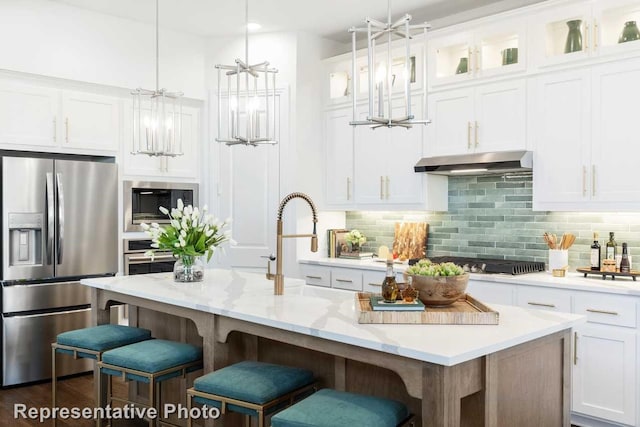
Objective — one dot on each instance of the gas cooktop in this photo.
(488, 265)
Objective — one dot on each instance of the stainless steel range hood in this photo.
(477, 163)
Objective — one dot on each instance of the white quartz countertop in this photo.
(331, 314)
(572, 281)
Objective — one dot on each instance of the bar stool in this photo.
(91, 343)
(255, 389)
(331, 408)
(149, 362)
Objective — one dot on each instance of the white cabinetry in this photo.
(492, 293)
(584, 148)
(40, 118)
(490, 117)
(339, 160)
(185, 166)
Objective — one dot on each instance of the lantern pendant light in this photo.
(250, 96)
(157, 128)
(381, 77)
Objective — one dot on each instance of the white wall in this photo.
(51, 39)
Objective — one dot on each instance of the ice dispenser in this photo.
(25, 238)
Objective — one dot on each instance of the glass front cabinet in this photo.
(492, 50)
(585, 30)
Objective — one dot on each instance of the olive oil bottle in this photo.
(389, 285)
(595, 253)
(612, 247)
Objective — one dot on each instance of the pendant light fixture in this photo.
(250, 99)
(157, 129)
(380, 75)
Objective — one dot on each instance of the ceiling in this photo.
(328, 18)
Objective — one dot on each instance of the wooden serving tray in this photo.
(465, 311)
(587, 270)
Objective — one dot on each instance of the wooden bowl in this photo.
(440, 291)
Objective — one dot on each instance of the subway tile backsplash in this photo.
(492, 217)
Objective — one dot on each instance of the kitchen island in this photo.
(514, 373)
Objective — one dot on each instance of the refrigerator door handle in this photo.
(60, 193)
(50, 217)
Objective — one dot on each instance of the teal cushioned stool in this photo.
(150, 362)
(91, 343)
(255, 389)
(331, 408)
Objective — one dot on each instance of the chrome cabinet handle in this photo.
(66, 127)
(593, 310)
(348, 188)
(477, 138)
(593, 180)
(344, 281)
(575, 348)
(469, 135)
(584, 181)
(539, 304)
(381, 187)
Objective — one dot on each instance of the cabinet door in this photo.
(451, 59)
(500, 117)
(543, 298)
(615, 149)
(492, 293)
(452, 115)
(405, 148)
(604, 373)
(610, 19)
(187, 165)
(28, 115)
(371, 154)
(90, 121)
(562, 116)
(339, 161)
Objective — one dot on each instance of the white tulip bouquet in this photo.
(192, 233)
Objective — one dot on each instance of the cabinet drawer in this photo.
(607, 309)
(544, 299)
(316, 276)
(343, 278)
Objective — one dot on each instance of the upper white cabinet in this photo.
(185, 166)
(584, 30)
(90, 121)
(494, 49)
(339, 160)
(584, 148)
(36, 117)
(490, 117)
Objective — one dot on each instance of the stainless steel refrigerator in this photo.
(59, 224)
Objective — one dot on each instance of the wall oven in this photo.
(136, 262)
(142, 201)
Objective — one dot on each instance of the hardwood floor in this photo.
(72, 392)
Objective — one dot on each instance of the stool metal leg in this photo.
(189, 403)
(151, 402)
(54, 383)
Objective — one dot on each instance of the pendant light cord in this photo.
(246, 31)
(157, 47)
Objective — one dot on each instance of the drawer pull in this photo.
(344, 281)
(314, 277)
(612, 313)
(575, 348)
(539, 304)
(376, 284)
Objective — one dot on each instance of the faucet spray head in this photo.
(314, 239)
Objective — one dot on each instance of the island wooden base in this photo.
(526, 386)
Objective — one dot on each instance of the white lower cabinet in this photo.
(604, 373)
(491, 293)
(346, 278)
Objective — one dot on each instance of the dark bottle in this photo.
(612, 247)
(625, 267)
(595, 253)
(389, 285)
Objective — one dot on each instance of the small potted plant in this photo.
(355, 238)
(438, 284)
(191, 234)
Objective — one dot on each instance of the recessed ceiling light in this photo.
(253, 26)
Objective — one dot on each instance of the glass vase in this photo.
(574, 37)
(629, 33)
(188, 269)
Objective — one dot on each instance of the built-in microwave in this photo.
(143, 199)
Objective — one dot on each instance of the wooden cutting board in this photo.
(410, 239)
